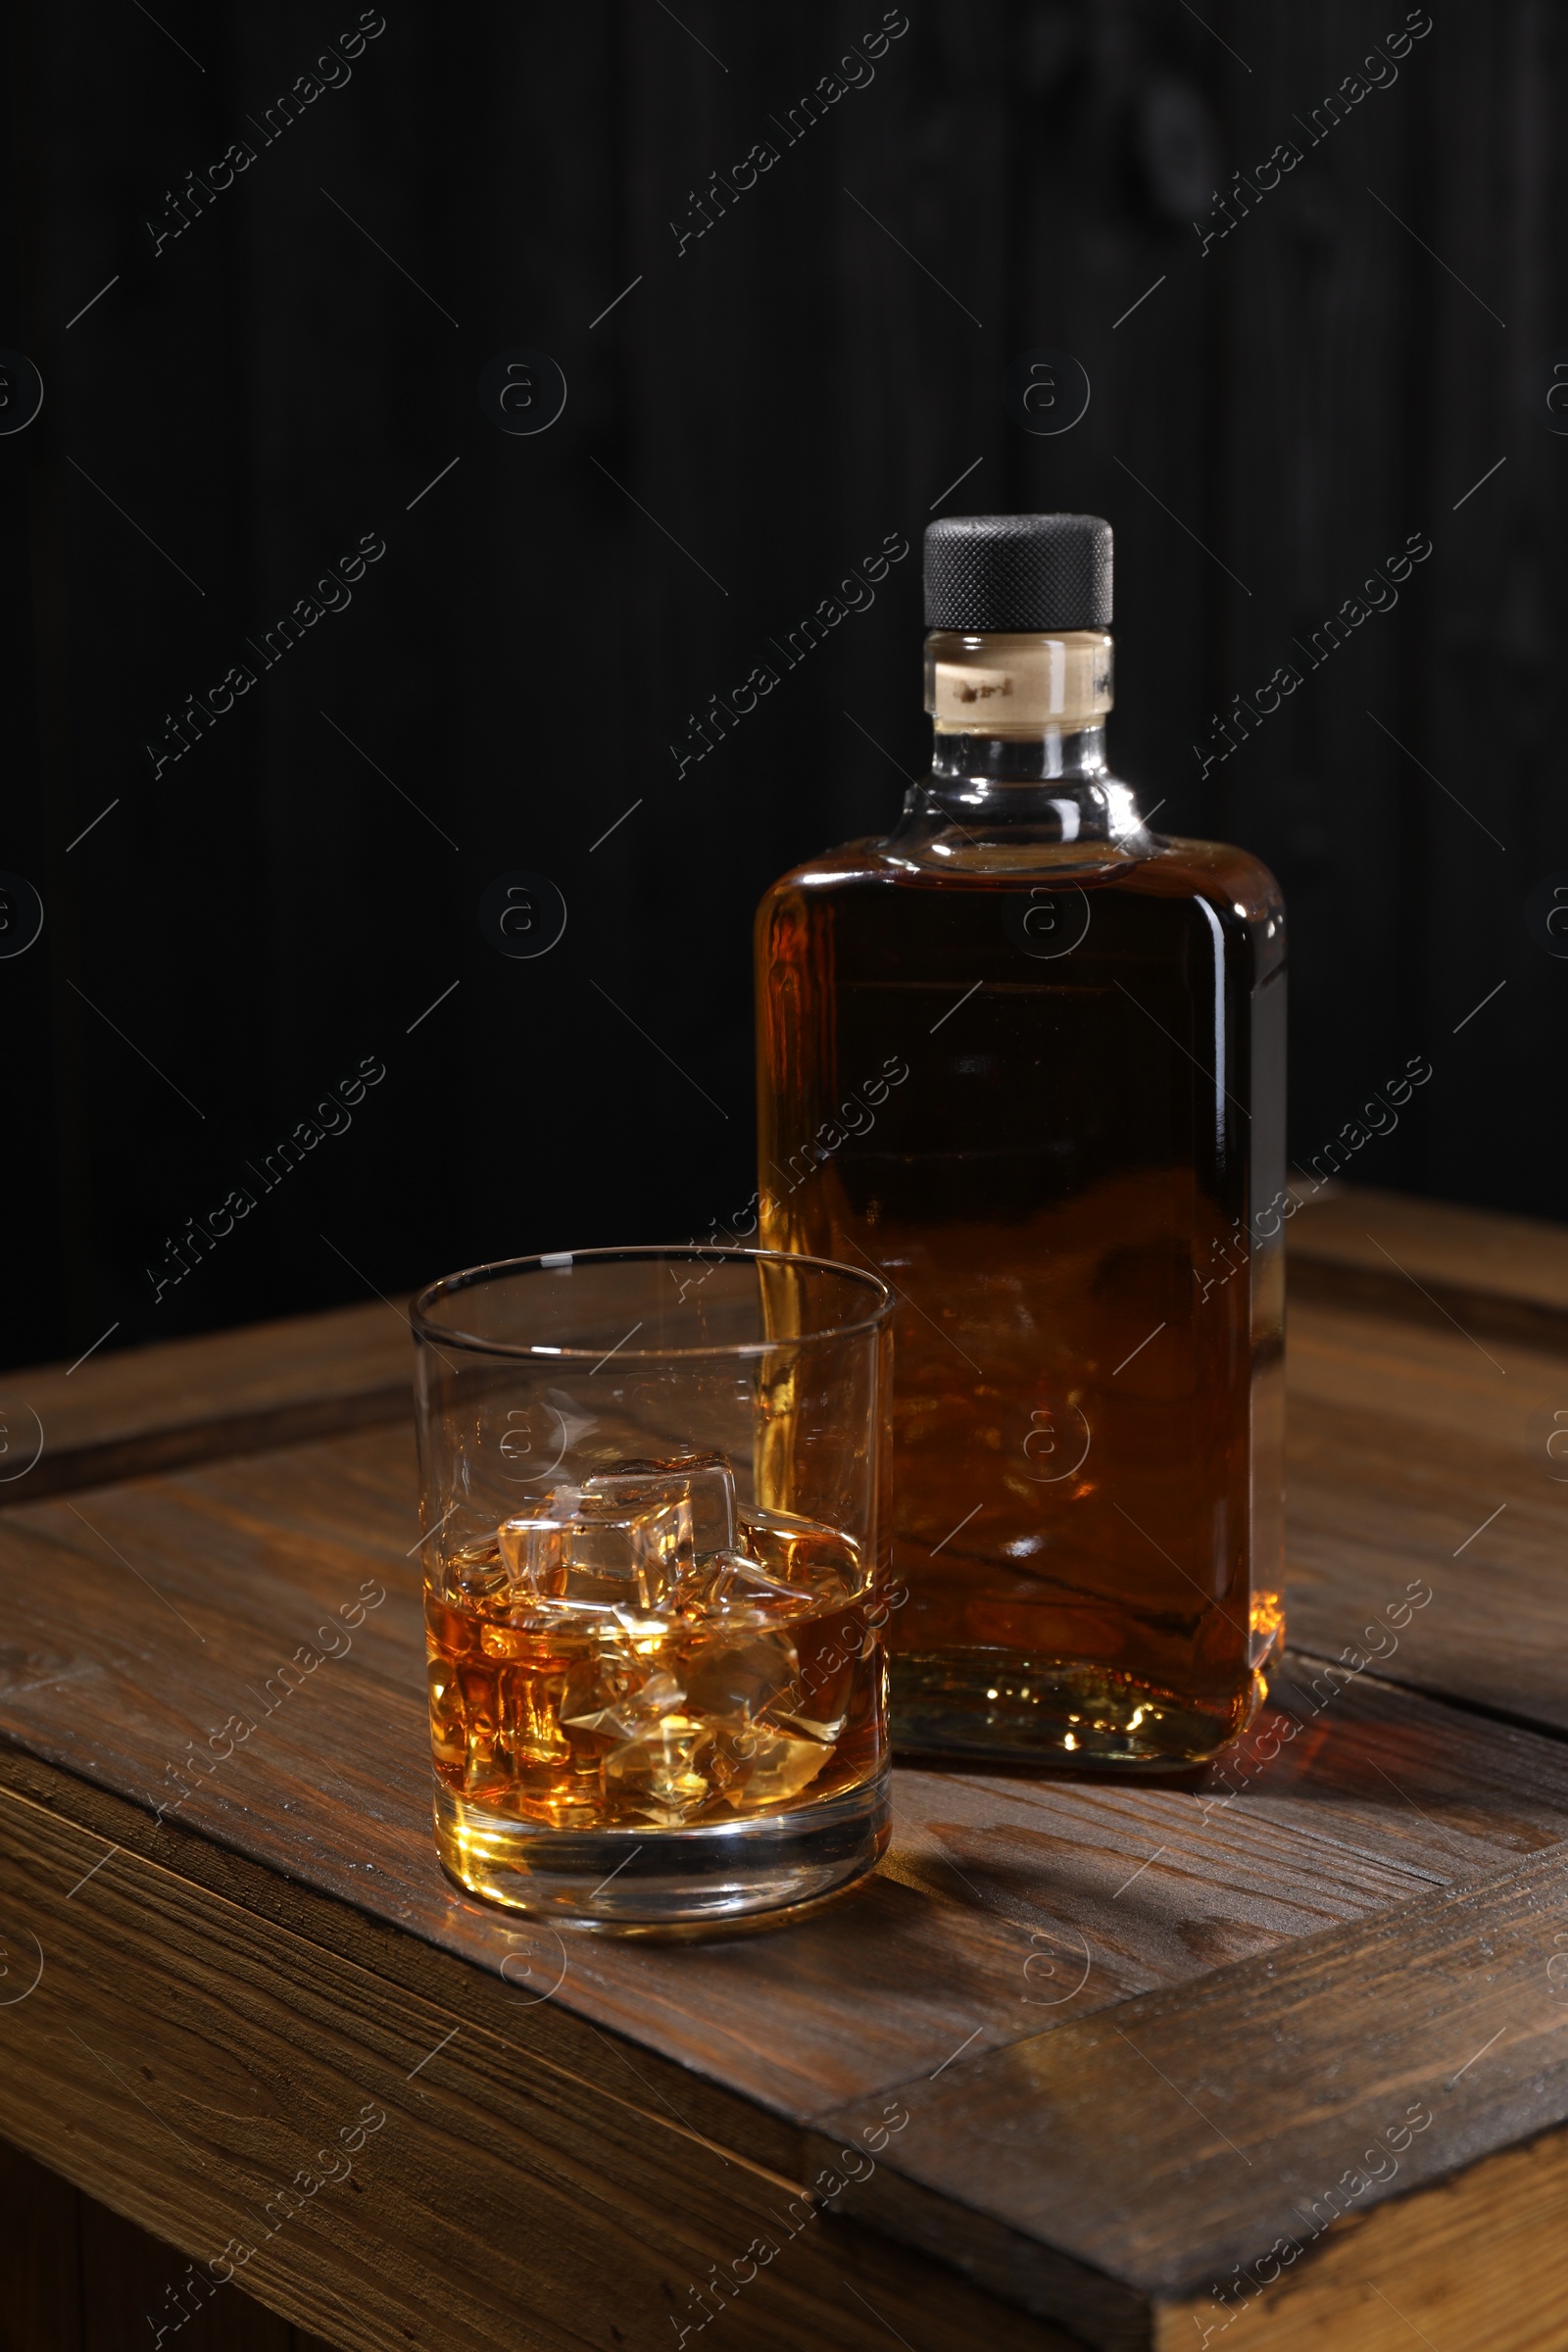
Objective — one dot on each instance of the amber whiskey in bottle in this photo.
(1025, 1057)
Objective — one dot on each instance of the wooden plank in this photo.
(128, 1413)
(1381, 1771)
(1480, 2259)
(200, 2067)
(114, 1678)
(1422, 1456)
(967, 1938)
(136, 1410)
(1374, 1796)
(1426, 1261)
(1254, 2092)
(1015, 1913)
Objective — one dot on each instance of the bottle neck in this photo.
(1054, 786)
(1071, 756)
(1018, 765)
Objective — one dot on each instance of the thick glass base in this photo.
(648, 1882)
(1004, 1704)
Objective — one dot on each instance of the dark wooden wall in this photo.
(1278, 415)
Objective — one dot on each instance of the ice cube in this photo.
(630, 1551)
(530, 1730)
(814, 1729)
(837, 1650)
(534, 1549)
(611, 1552)
(614, 1698)
(817, 1704)
(656, 1773)
(501, 1639)
(733, 1582)
(447, 1631)
(737, 1673)
(478, 1696)
(710, 1585)
(802, 1554)
(705, 1479)
(449, 1723)
(475, 1570)
(777, 1767)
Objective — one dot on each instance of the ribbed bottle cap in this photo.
(1021, 572)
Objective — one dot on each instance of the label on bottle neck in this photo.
(1018, 685)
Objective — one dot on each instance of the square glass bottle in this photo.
(1025, 1059)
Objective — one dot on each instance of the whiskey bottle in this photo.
(1025, 1057)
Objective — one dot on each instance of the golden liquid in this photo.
(1052, 1159)
(718, 1703)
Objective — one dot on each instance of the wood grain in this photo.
(189, 2062)
(1284, 1940)
(132, 1412)
(1480, 2259)
(1427, 1261)
(1422, 1455)
(113, 1678)
(128, 1413)
(967, 1943)
(1254, 2092)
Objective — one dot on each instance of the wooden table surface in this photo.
(1278, 2049)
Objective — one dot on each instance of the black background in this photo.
(753, 417)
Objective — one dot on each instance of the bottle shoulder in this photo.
(862, 898)
(854, 861)
(1216, 870)
(1162, 865)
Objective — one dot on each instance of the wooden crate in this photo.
(1086, 2062)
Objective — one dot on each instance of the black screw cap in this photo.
(1024, 573)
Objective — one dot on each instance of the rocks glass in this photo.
(656, 1528)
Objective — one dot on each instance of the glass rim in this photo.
(439, 1334)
